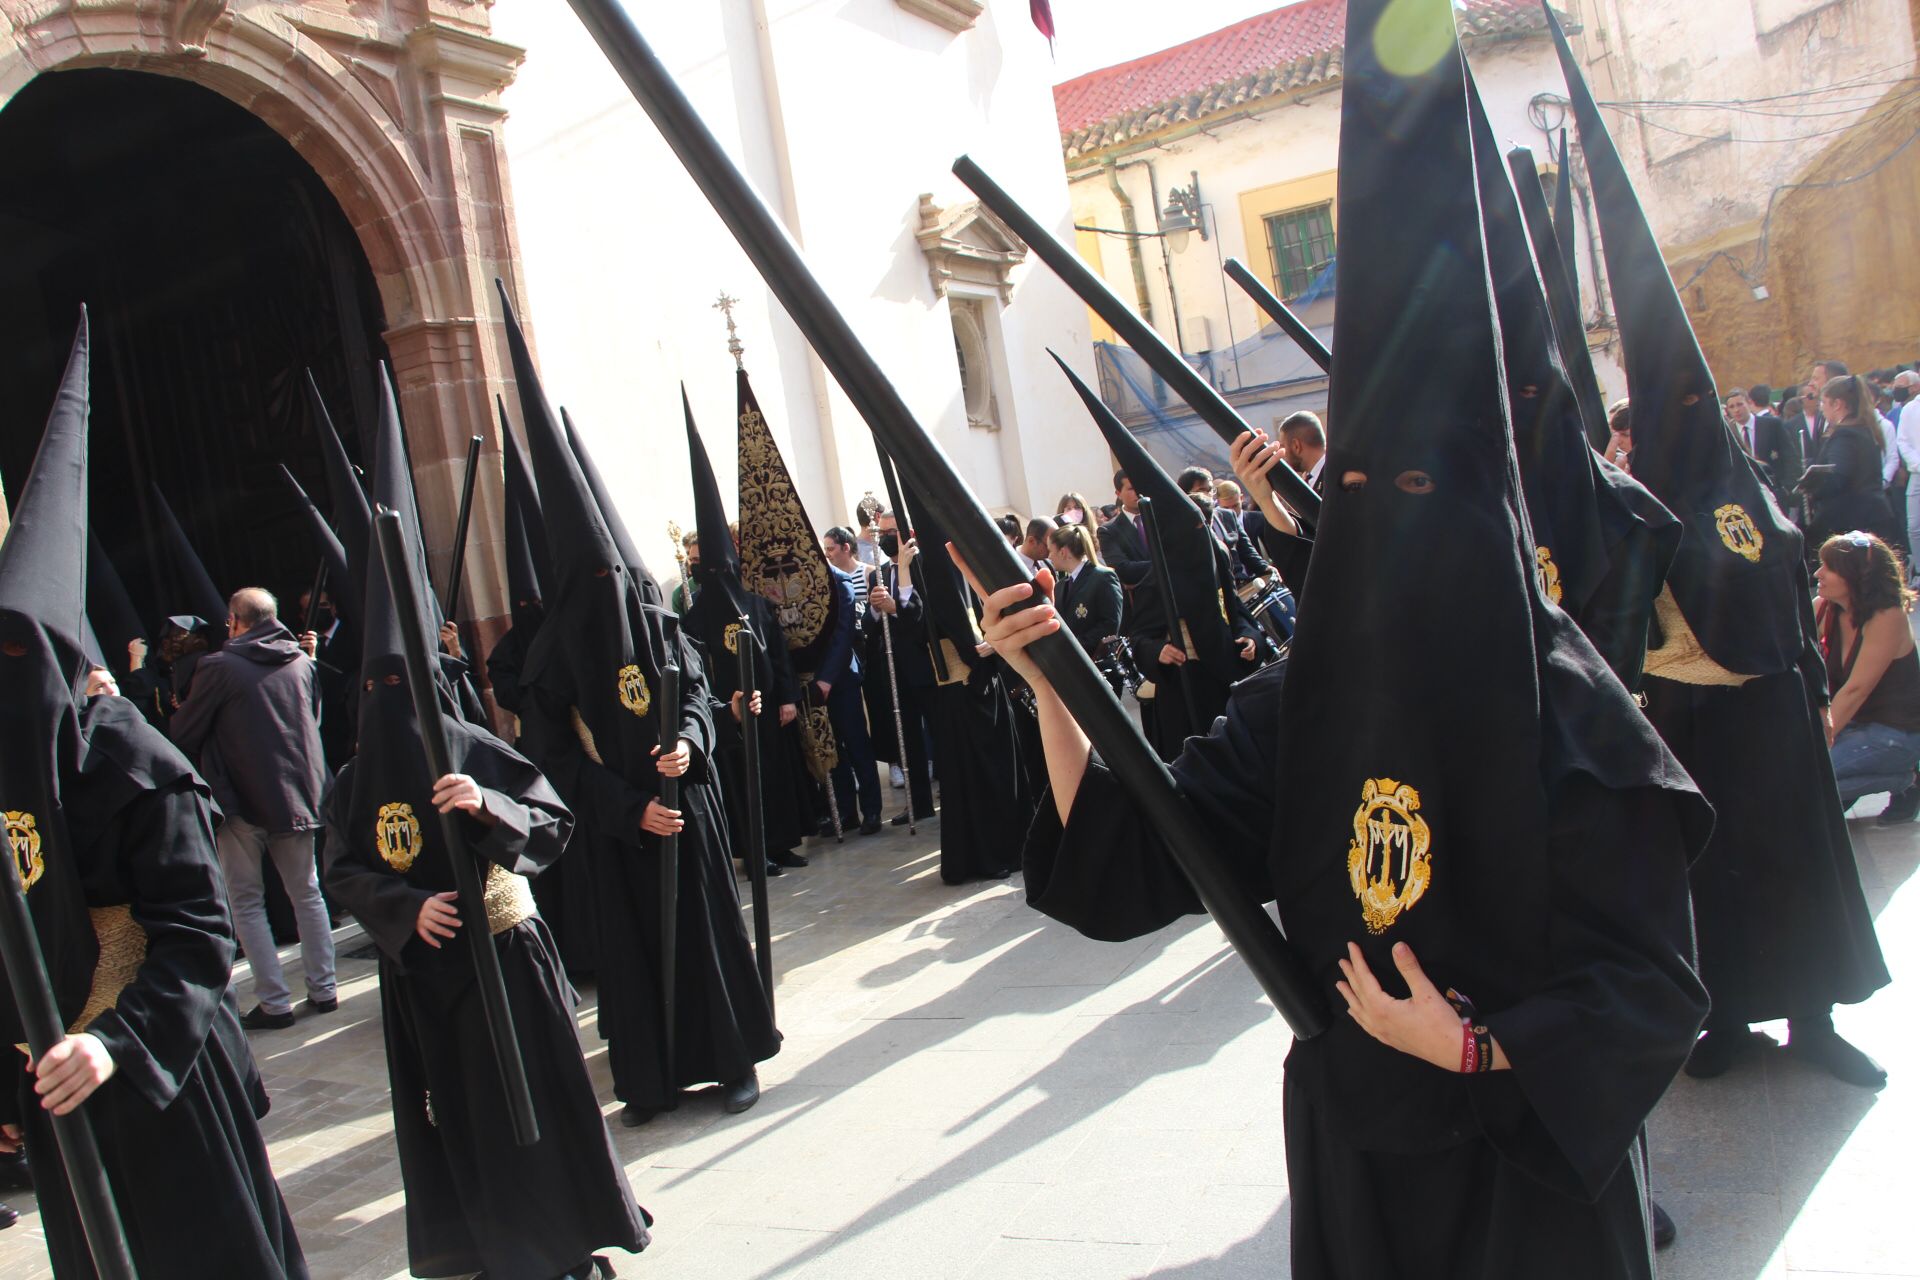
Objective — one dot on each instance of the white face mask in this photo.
(1073, 517)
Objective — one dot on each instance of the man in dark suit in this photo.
(1123, 543)
(1766, 440)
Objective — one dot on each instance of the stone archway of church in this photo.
(217, 268)
(387, 118)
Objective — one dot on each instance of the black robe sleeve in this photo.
(1288, 554)
(1109, 875)
(610, 804)
(1608, 1026)
(162, 843)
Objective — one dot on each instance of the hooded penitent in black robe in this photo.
(1213, 619)
(1541, 875)
(113, 832)
(1603, 543)
(592, 723)
(474, 1199)
(986, 801)
(720, 607)
(1735, 681)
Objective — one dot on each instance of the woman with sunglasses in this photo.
(1872, 666)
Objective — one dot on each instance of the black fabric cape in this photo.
(475, 1200)
(178, 1123)
(986, 799)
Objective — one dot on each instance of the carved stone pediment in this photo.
(954, 15)
(965, 242)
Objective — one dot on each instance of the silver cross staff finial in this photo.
(726, 304)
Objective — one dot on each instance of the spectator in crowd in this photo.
(337, 652)
(1304, 441)
(1086, 592)
(1874, 721)
(1619, 450)
(1073, 509)
(856, 781)
(1107, 512)
(1011, 530)
(1123, 544)
(252, 724)
(1033, 545)
(1906, 432)
(1227, 495)
(1845, 485)
(683, 594)
(1766, 440)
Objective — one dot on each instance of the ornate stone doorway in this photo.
(265, 188)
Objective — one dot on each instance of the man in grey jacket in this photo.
(252, 724)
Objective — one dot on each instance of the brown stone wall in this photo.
(1840, 262)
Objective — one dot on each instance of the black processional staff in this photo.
(1163, 583)
(896, 493)
(755, 842)
(471, 896)
(670, 863)
(313, 595)
(1084, 691)
(1148, 345)
(458, 568)
(1281, 314)
(73, 1132)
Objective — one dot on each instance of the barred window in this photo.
(1301, 242)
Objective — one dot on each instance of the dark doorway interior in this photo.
(216, 268)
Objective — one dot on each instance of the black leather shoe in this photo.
(258, 1019)
(1903, 808)
(871, 827)
(14, 1174)
(1664, 1232)
(8, 1216)
(741, 1094)
(787, 858)
(1824, 1048)
(1714, 1052)
(322, 1006)
(632, 1117)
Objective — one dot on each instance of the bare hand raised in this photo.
(1008, 627)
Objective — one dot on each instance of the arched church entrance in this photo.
(217, 269)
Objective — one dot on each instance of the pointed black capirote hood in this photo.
(629, 549)
(1564, 235)
(1738, 577)
(43, 631)
(115, 618)
(577, 532)
(1563, 295)
(1192, 555)
(1557, 476)
(718, 556)
(189, 572)
(392, 490)
(43, 558)
(352, 515)
(526, 530)
(604, 643)
(330, 550)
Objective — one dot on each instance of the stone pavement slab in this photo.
(968, 1089)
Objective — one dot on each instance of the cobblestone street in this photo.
(970, 1090)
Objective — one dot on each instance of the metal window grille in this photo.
(1301, 242)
